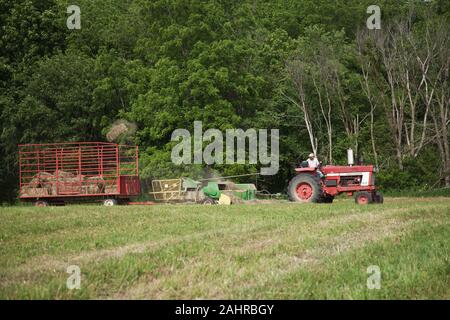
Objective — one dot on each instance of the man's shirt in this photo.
(314, 163)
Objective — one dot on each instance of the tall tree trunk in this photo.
(372, 135)
(444, 133)
(327, 117)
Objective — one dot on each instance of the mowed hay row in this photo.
(259, 251)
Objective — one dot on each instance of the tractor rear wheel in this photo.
(304, 188)
(363, 197)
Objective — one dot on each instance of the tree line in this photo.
(309, 68)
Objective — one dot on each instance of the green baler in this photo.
(190, 190)
(243, 191)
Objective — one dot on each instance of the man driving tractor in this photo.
(312, 161)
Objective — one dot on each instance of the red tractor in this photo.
(324, 183)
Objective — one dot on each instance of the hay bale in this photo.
(111, 189)
(63, 174)
(224, 199)
(40, 184)
(34, 192)
(35, 182)
(43, 176)
(25, 191)
(116, 131)
(69, 185)
(233, 198)
(120, 129)
(95, 184)
(52, 188)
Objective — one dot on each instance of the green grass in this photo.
(277, 251)
(420, 193)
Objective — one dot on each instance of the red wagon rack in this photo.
(78, 171)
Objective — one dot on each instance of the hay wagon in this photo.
(57, 173)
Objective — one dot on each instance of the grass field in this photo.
(278, 251)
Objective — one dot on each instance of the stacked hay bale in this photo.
(45, 184)
(95, 185)
(111, 188)
(67, 182)
(40, 185)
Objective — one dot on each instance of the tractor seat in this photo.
(304, 164)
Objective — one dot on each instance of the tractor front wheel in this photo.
(363, 198)
(304, 188)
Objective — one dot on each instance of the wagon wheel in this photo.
(109, 202)
(41, 203)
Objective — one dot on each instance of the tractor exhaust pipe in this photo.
(350, 159)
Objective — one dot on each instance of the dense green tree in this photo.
(163, 64)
